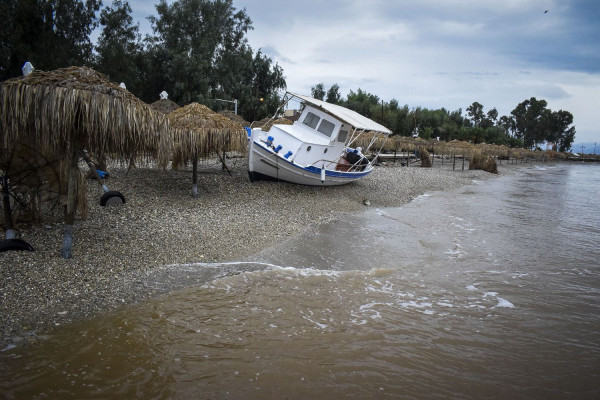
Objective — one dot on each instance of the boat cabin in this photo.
(315, 138)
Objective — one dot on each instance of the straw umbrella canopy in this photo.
(73, 108)
(235, 117)
(197, 131)
(372, 141)
(164, 106)
(279, 121)
(64, 111)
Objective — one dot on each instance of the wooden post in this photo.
(463, 165)
(8, 221)
(225, 167)
(71, 198)
(453, 161)
(195, 174)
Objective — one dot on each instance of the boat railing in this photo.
(341, 166)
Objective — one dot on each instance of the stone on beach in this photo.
(116, 248)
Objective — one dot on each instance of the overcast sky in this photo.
(436, 54)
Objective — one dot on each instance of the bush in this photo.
(425, 158)
(483, 161)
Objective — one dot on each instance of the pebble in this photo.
(115, 248)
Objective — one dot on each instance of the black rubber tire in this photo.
(111, 195)
(15, 244)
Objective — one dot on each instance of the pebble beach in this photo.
(117, 249)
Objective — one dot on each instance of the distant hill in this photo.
(588, 148)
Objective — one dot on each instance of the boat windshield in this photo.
(311, 120)
(326, 128)
(342, 136)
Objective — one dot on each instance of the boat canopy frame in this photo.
(358, 122)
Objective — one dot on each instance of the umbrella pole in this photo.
(195, 175)
(71, 202)
(10, 233)
(225, 167)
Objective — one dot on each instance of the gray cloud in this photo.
(437, 54)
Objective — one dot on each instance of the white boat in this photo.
(317, 148)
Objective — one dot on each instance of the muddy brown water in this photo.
(489, 292)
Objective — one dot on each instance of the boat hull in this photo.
(264, 162)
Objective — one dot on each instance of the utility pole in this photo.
(594, 148)
(582, 147)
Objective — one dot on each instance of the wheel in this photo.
(112, 198)
(15, 244)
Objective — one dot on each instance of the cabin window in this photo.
(326, 128)
(311, 120)
(342, 136)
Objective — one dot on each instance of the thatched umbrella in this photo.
(64, 111)
(279, 121)
(165, 106)
(235, 117)
(197, 131)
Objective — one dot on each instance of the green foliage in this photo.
(443, 124)
(199, 52)
(534, 124)
(333, 94)
(475, 112)
(318, 91)
(362, 102)
(50, 34)
(262, 81)
(119, 49)
(191, 36)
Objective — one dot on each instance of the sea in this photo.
(491, 291)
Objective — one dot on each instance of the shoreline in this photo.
(116, 249)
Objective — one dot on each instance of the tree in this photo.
(493, 115)
(527, 116)
(362, 102)
(50, 34)
(191, 37)
(333, 94)
(535, 123)
(490, 119)
(318, 91)
(119, 46)
(475, 111)
(561, 133)
(266, 80)
(508, 124)
(401, 124)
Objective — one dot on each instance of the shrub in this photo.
(483, 161)
(425, 158)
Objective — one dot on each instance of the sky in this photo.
(435, 54)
